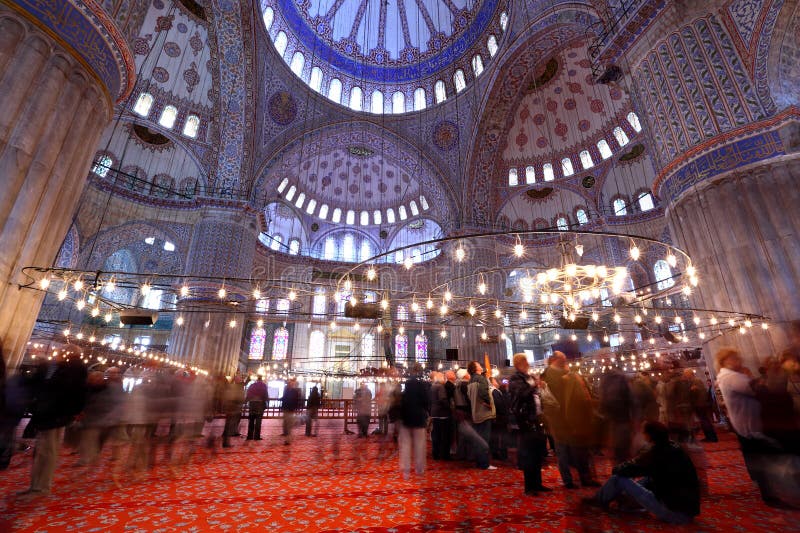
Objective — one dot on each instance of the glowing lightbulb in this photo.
(222, 293)
(79, 336)
(519, 250)
(595, 317)
(637, 319)
(414, 306)
(498, 313)
(713, 321)
(672, 260)
(696, 320)
(443, 334)
(66, 332)
(401, 330)
(460, 253)
(557, 336)
(333, 324)
(92, 338)
(347, 285)
(742, 330)
(589, 337)
(686, 290)
(408, 263)
(260, 322)
(484, 336)
(677, 319)
(482, 287)
(605, 339)
(145, 289)
(356, 326)
(111, 285)
(78, 285)
(471, 310)
(107, 317)
(617, 318)
(384, 304)
(731, 322)
(701, 335)
(62, 294)
(523, 315)
(184, 290)
(429, 304)
(95, 311)
(293, 297)
(371, 274)
(448, 296)
(522, 336)
(44, 283)
(764, 325)
(380, 328)
(690, 270)
(443, 309)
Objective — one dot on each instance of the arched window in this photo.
(350, 217)
(298, 62)
(459, 81)
(419, 99)
(330, 249)
(316, 345)
(258, 338)
(421, 348)
(276, 241)
(323, 211)
(143, 104)
(191, 126)
(283, 305)
(312, 204)
(562, 224)
(620, 208)
(620, 136)
(168, 116)
(262, 306)
(504, 20)
(602, 147)
(300, 199)
(152, 300)
(335, 90)
(376, 104)
(280, 344)
(402, 313)
(547, 170)
(281, 41)
(356, 98)
(102, 166)
(416, 255)
(424, 203)
(663, 275)
(398, 257)
(401, 211)
(319, 302)
(582, 217)
(315, 81)
(401, 347)
(414, 209)
(633, 120)
(284, 182)
(477, 65)
(390, 216)
(586, 159)
(491, 44)
(290, 193)
(364, 218)
(269, 17)
(398, 102)
(646, 201)
(337, 215)
(513, 178)
(377, 218)
(440, 92)
(294, 247)
(366, 250)
(566, 167)
(348, 248)
(530, 175)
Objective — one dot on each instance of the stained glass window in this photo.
(257, 340)
(102, 166)
(663, 275)
(402, 313)
(280, 344)
(401, 347)
(421, 348)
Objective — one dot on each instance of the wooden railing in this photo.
(328, 410)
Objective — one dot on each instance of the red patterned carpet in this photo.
(341, 483)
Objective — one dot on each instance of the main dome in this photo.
(391, 46)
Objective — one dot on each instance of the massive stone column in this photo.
(222, 246)
(729, 165)
(58, 81)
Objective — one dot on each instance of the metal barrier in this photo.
(328, 410)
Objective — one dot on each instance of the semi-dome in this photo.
(386, 56)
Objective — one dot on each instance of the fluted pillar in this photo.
(223, 244)
(53, 108)
(728, 168)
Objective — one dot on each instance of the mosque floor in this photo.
(337, 483)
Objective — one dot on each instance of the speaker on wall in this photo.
(451, 354)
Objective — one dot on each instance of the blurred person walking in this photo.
(525, 405)
(414, 410)
(256, 399)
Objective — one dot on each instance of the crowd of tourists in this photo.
(650, 426)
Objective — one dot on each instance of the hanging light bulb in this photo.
(617, 318)
(92, 338)
(293, 297)
(443, 309)
(80, 304)
(701, 335)
(764, 325)
(713, 320)
(66, 332)
(579, 250)
(78, 285)
(731, 322)
(401, 330)
(557, 336)
(634, 251)
(696, 320)
(471, 310)
(107, 317)
(414, 306)
(333, 324)
(482, 287)
(62, 294)
(522, 336)
(356, 326)
(145, 289)
(408, 263)
(678, 319)
(637, 319)
(605, 338)
(260, 323)
(519, 250)
(460, 253)
(384, 304)
(595, 316)
(44, 283)
(111, 285)
(498, 313)
(380, 328)
(184, 291)
(95, 311)
(523, 315)
(742, 330)
(222, 293)
(429, 303)
(589, 337)
(448, 295)
(79, 336)
(484, 336)
(671, 259)
(443, 334)
(687, 291)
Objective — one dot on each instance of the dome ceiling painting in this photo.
(354, 167)
(395, 45)
(562, 112)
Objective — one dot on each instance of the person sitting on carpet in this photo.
(668, 488)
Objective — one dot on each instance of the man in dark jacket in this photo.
(56, 403)
(256, 398)
(668, 488)
(525, 405)
(499, 436)
(292, 398)
(312, 411)
(440, 416)
(414, 409)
